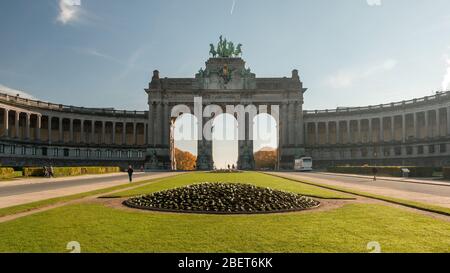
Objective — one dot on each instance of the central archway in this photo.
(225, 141)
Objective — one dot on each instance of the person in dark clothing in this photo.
(51, 172)
(130, 173)
(374, 171)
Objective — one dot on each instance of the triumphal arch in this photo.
(225, 81)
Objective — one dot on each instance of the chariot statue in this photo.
(225, 49)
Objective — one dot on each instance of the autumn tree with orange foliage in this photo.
(185, 160)
(266, 158)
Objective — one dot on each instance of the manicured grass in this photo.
(53, 201)
(404, 202)
(103, 229)
(100, 228)
(254, 178)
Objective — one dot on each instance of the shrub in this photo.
(395, 171)
(6, 172)
(69, 171)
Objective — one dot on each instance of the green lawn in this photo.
(347, 229)
(404, 202)
(254, 178)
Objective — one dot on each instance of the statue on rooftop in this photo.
(225, 49)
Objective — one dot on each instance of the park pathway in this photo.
(31, 190)
(433, 194)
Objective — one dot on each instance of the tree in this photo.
(185, 160)
(266, 158)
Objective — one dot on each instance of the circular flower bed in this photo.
(223, 198)
(226, 171)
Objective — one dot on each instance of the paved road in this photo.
(53, 185)
(397, 185)
(434, 194)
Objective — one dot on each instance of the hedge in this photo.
(395, 171)
(6, 172)
(446, 172)
(69, 171)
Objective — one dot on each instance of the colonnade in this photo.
(402, 127)
(21, 124)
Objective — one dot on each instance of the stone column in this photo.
(403, 128)
(393, 128)
(38, 127)
(166, 123)
(327, 132)
(71, 138)
(284, 122)
(151, 122)
(16, 124)
(316, 133)
(124, 133)
(158, 122)
(305, 129)
(299, 122)
(416, 128)
(6, 123)
(438, 123)
(359, 131)
(27, 125)
(82, 136)
(448, 120)
(49, 128)
(291, 123)
(381, 140)
(61, 131)
(113, 133)
(146, 135)
(93, 131)
(349, 137)
(338, 132)
(103, 137)
(134, 134)
(427, 127)
(370, 137)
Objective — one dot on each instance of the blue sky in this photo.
(348, 52)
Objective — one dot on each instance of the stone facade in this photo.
(34, 133)
(227, 82)
(415, 132)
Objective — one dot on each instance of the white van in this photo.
(303, 164)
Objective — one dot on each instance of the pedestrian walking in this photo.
(375, 172)
(51, 172)
(45, 169)
(130, 173)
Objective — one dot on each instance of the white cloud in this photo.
(14, 92)
(69, 11)
(446, 80)
(346, 78)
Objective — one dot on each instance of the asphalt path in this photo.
(436, 190)
(55, 185)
